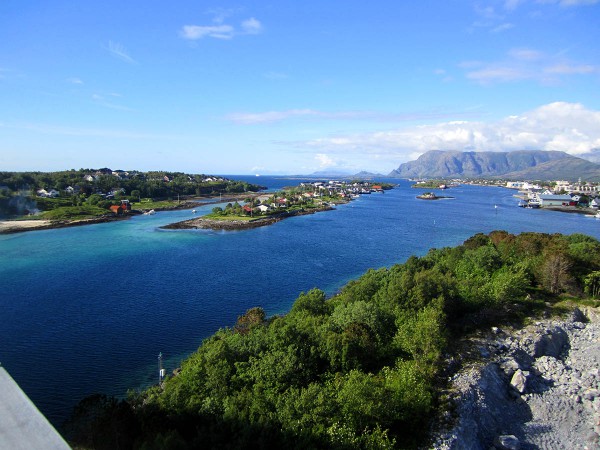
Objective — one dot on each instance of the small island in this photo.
(261, 210)
(432, 196)
(433, 184)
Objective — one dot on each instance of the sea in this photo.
(88, 309)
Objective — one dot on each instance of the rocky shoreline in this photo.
(531, 388)
(234, 225)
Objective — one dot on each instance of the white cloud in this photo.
(526, 64)
(325, 160)
(220, 30)
(251, 26)
(102, 101)
(502, 27)
(195, 32)
(570, 2)
(120, 52)
(270, 116)
(74, 80)
(290, 114)
(568, 127)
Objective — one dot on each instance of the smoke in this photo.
(18, 205)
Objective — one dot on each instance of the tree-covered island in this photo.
(261, 210)
(89, 195)
(365, 369)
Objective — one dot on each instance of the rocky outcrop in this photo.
(534, 388)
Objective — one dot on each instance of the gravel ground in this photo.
(535, 388)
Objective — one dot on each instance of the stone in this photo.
(509, 366)
(519, 380)
(551, 343)
(507, 442)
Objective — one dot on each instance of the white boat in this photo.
(149, 213)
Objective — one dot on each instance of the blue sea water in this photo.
(88, 309)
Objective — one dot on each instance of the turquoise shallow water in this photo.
(88, 309)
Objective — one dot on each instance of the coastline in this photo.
(22, 225)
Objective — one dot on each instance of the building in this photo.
(555, 200)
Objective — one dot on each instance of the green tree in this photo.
(592, 284)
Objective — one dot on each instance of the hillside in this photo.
(525, 164)
(362, 369)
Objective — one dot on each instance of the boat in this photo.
(149, 213)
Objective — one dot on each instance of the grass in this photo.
(230, 217)
(147, 203)
(73, 213)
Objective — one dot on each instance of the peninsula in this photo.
(262, 210)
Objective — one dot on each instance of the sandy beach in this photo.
(13, 226)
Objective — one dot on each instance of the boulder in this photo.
(507, 442)
(519, 380)
(551, 343)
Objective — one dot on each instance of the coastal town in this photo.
(561, 195)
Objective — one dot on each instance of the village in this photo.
(562, 195)
(318, 194)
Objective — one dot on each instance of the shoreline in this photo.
(13, 226)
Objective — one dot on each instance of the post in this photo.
(161, 371)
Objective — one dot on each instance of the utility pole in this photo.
(161, 371)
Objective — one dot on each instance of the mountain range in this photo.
(522, 164)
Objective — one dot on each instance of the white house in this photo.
(263, 208)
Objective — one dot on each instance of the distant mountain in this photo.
(523, 164)
(593, 156)
(364, 175)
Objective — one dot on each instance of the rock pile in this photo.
(535, 388)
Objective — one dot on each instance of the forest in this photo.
(361, 369)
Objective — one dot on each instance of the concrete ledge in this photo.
(22, 425)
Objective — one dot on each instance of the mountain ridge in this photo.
(520, 164)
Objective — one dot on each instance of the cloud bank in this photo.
(568, 127)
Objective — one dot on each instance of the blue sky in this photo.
(290, 87)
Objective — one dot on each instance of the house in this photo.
(555, 200)
(42, 193)
(594, 203)
(90, 178)
(263, 208)
(562, 186)
(247, 209)
(117, 209)
(514, 185)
